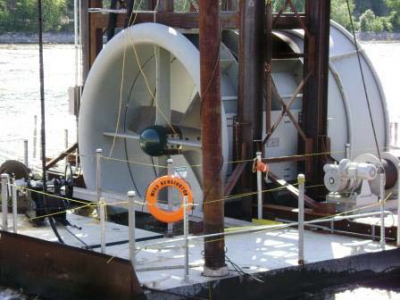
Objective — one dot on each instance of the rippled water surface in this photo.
(19, 103)
(20, 100)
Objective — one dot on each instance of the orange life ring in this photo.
(152, 203)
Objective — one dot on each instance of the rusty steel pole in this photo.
(315, 93)
(250, 103)
(213, 188)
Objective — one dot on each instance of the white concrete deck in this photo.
(161, 266)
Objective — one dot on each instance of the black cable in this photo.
(43, 114)
(144, 239)
(363, 80)
(86, 246)
(125, 122)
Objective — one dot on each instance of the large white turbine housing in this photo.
(109, 106)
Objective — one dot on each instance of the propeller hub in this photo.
(153, 140)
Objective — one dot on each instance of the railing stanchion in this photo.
(34, 136)
(66, 142)
(186, 235)
(132, 225)
(99, 154)
(170, 230)
(14, 206)
(26, 153)
(348, 153)
(4, 198)
(382, 206)
(102, 213)
(259, 190)
(301, 180)
(398, 211)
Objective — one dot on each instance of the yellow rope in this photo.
(122, 84)
(229, 162)
(59, 212)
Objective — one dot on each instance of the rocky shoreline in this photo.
(382, 36)
(25, 38)
(68, 38)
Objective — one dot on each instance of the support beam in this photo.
(84, 22)
(251, 68)
(268, 67)
(228, 20)
(315, 94)
(213, 189)
(112, 21)
(95, 33)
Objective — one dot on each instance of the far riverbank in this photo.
(68, 38)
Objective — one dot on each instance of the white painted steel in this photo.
(348, 120)
(382, 207)
(100, 107)
(259, 190)
(34, 136)
(99, 153)
(186, 235)
(170, 226)
(301, 180)
(26, 153)
(132, 227)
(14, 206)
(102, 215)
(4, 197)
(398, 209)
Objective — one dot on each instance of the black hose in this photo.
(43, 125)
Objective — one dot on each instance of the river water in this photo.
(19, 103)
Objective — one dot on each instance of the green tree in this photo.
(278, 5)
(377, 25)
(393, 4)
(340, 12)
(395, 14)
(379, 7)
(366, 21)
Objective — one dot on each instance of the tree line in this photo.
(367, 15)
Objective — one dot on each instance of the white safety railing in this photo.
(301, 180)
(398, 211)
(259, 190)
(5, 179)
(301, 223)
(186, 235)
(132, 226)
(14, 205)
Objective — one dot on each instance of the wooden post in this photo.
(210, 76)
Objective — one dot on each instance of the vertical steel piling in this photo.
(210, 78)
